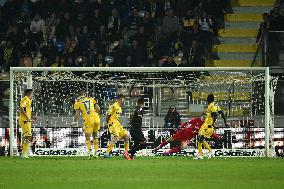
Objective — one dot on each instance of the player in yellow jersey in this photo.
(89, 109)
(115, 128)
(207, 128)
(25, 118)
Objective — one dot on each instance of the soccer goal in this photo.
(246, 95)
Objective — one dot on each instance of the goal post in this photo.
(195, 80)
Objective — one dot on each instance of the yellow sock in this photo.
(207, 146)
(88, 144)
(110, 147)
(199, 145)
(96, 144)
(126, 146)
(25, 147)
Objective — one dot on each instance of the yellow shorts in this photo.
(26, 128)
(116, 129)
(92, 124)
(206, 130)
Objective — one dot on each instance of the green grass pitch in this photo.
(141, 173)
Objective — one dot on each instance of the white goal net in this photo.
(246, 95)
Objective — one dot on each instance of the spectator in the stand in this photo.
(148, 24)
(13, 34)
(80, 21)
(92, 54)
(188, 20)
(206, 30)
(120, 54)
(27, 46)
(78, 33)
(49, 53)
(64, 28)
(170, 24)
(162, 6)
(71, 51)
(51, 22)
(8, 56)
(161, 42)
(23, 20)
(138, 55)
(173, 118)
(115, 25)
(131, 27)
(37, 28)
(217, 8)
(196, 55)
(103, 39)
(141, 37)
(275, 16)
(101, 61)
(84, 39)
(152, 8)
(95, 21)
(274, 42)
(151, 54)
(197, 11)
(264, 26)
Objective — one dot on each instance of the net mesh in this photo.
(241, 94)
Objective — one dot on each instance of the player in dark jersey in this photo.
(186, 132)
(136, 130)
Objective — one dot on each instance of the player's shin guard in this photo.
(96, 144)
(199, 145)
(88, 145)
(207, 146)
(110, 147)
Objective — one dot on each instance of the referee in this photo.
(136, 130)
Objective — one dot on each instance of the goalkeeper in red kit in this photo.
(186, 132)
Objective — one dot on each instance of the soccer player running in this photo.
(136, 130)
(25, 119)
(115, 128)
(186, 132)
(90, 113)
(207, 128)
